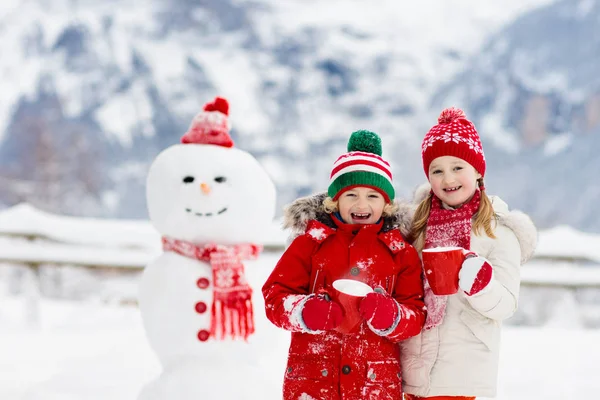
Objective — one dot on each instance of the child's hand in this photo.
(319, 313)
(379, 309)
(475, 274)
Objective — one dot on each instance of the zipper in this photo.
(315, 281)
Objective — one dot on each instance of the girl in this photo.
(348, 235)
(456, 354)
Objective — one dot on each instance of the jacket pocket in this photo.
(309, 368)
(383, 380)
(309, 377)
(484, 329)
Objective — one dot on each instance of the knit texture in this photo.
(446, 228)
(211, 125)
(454, 135)
(231, 312)
(362, 166)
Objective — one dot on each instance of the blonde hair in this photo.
(330, 206)
(482, 222)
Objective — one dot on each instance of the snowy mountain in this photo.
(534, 92)
(94, 90)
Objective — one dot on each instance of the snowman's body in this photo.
(191, 368)
(175, 298)
(200, 194)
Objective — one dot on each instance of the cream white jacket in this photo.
(459, 357)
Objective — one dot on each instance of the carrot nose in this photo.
(205, 188)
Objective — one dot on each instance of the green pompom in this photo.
(366, 141)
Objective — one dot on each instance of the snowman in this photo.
(209, 201)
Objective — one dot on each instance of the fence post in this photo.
(32, 291)
(32, 295)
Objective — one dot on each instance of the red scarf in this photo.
(231, 311)
(446, 227)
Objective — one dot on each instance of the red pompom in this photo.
(450, 114)
(218, 104)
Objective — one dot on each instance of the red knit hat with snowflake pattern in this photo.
(211, 125)
(454, 135)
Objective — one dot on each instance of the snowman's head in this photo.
(207, 193)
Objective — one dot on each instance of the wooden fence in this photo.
(34, 239)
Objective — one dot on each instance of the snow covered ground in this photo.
(90, 351)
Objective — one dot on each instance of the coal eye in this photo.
(188, 179)
(220, 179)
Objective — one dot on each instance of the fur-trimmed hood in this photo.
(517, 221)
(298, 213)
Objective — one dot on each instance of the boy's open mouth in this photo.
(452, 189)
(360, 216)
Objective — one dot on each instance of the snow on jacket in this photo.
(460, 356)
(330, 365)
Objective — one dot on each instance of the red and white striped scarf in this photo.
(446, 227)
(231, 312)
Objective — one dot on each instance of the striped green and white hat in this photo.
(362, 166)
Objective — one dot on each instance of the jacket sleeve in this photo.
(500, 299)
(287, 288)
(408, 292)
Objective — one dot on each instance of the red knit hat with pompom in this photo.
(211, 125)
(454, 135)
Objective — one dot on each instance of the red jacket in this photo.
(330, 365)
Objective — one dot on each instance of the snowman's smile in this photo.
(206, 214)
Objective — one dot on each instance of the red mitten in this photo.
(380, 310)
(321, 314)
(475, 274)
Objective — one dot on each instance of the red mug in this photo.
(349, 293)
(441, 265)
